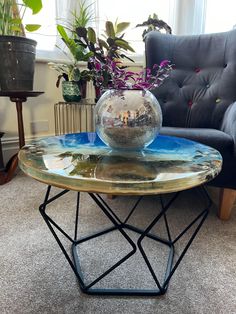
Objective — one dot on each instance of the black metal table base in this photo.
(122, 227)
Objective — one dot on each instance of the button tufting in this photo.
(197, 70)
(207, 85)
(190, 103)
(218, 100)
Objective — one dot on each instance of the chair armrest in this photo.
(229, 123)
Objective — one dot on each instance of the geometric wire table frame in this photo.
(121, 226)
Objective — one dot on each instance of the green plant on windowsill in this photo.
(75, 53)
(84, 45)
(69, 72)
(74, 80)
(154, 23)
(12, 15)
(111, 45)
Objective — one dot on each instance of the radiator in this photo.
(74, 117)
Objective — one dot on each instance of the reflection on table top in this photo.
(83, 162)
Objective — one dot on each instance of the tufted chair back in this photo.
(203, 82)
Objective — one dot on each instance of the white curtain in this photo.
(64, 9)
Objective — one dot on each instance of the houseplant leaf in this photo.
(32, 27)
(91, 35)
(34, 5)
(62, 32)
(123, 44)
(121, 27)
(70, 43)
(103, 44)
(110, 29)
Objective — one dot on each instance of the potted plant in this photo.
(84, 45)
(17, 52)
(74, 79)
(153, 23)
(73, 84)
(113, 46)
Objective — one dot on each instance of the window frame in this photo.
(186, 17)
(58, 56)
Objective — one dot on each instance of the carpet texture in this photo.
(36, 278)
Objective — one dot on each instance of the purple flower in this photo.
(97, 66)
(111, 74)
(164, 63)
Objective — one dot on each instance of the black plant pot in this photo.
(17, 62)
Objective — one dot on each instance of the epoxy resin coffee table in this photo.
(81, 162)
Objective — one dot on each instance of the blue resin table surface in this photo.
(82, 162)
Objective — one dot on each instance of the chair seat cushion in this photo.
(211, 137)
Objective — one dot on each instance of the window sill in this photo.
(43, 56)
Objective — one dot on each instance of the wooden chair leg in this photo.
(227, 199)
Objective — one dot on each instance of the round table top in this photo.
(82, 162)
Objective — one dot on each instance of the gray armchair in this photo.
(198, 100)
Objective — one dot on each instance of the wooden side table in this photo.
(18, 97)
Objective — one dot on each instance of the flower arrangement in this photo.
(112, 75)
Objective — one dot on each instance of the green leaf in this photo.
(88, 55)
(110, 29)
(15, 28)
(75, 74)
(121, 27)
(103, 44)
(16, 21)
(123, 44)
(91, 35)
(70, 43)
(32, 27)
(62, 32)
(34, 5)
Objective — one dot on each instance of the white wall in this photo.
(39, 109)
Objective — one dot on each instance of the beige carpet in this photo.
(36, 278)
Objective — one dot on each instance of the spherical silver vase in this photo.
(127, 119)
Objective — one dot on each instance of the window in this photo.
(220, 15)
(135, 13)
(54, 10)
(185, 17)
(46, 35)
